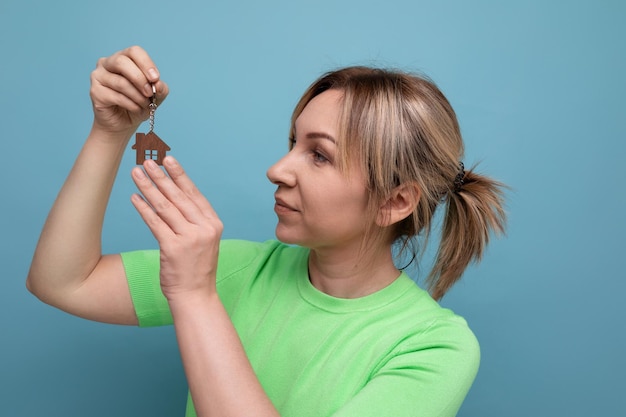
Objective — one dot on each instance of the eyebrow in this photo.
(320, 135)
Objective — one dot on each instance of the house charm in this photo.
(150, 146)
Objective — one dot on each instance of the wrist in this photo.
(106, 135)
(190, 299)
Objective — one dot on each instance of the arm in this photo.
(221, 379)
(68, 269)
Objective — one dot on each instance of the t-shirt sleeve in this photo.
(143, 267)
(429, 376)
(142, 272)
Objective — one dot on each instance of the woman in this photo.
(320, 322)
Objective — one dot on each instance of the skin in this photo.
(317, 206)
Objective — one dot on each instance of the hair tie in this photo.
(459, 180)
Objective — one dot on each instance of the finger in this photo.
(157, 226)
(180, 178)
(113, 89)
(143, 61)
(162, 90)
(145, 64)
(161, 205)
(172, 191)
(167, 200)
(135, 65)
(125, 67)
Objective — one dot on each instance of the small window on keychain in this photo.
(149, 145)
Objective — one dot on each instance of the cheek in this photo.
(339, 200)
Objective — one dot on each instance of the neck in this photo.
(352, 274)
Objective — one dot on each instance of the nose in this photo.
(282, 172)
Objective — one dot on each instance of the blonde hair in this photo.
(403, 130)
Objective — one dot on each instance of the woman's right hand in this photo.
(121, 90)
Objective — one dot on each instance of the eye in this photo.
(319, 157)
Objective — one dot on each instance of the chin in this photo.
(287, 237)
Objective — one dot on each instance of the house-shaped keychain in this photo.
(150, 146)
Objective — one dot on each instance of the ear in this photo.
(399, 205)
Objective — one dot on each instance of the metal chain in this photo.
(153, 107)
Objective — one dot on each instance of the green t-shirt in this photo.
(392, 353)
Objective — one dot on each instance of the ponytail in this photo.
(475, 209)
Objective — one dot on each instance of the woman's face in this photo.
(318, 205)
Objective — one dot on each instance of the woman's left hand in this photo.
(184, 223)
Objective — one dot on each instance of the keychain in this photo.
(149, 145)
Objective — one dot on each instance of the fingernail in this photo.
(170, 161)
(148, 89)
(153, 74)
(138, 173)
(150, 164)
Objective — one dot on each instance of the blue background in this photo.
(539, 90)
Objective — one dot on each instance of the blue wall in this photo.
(539, 89)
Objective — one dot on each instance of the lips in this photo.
(282, 206)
